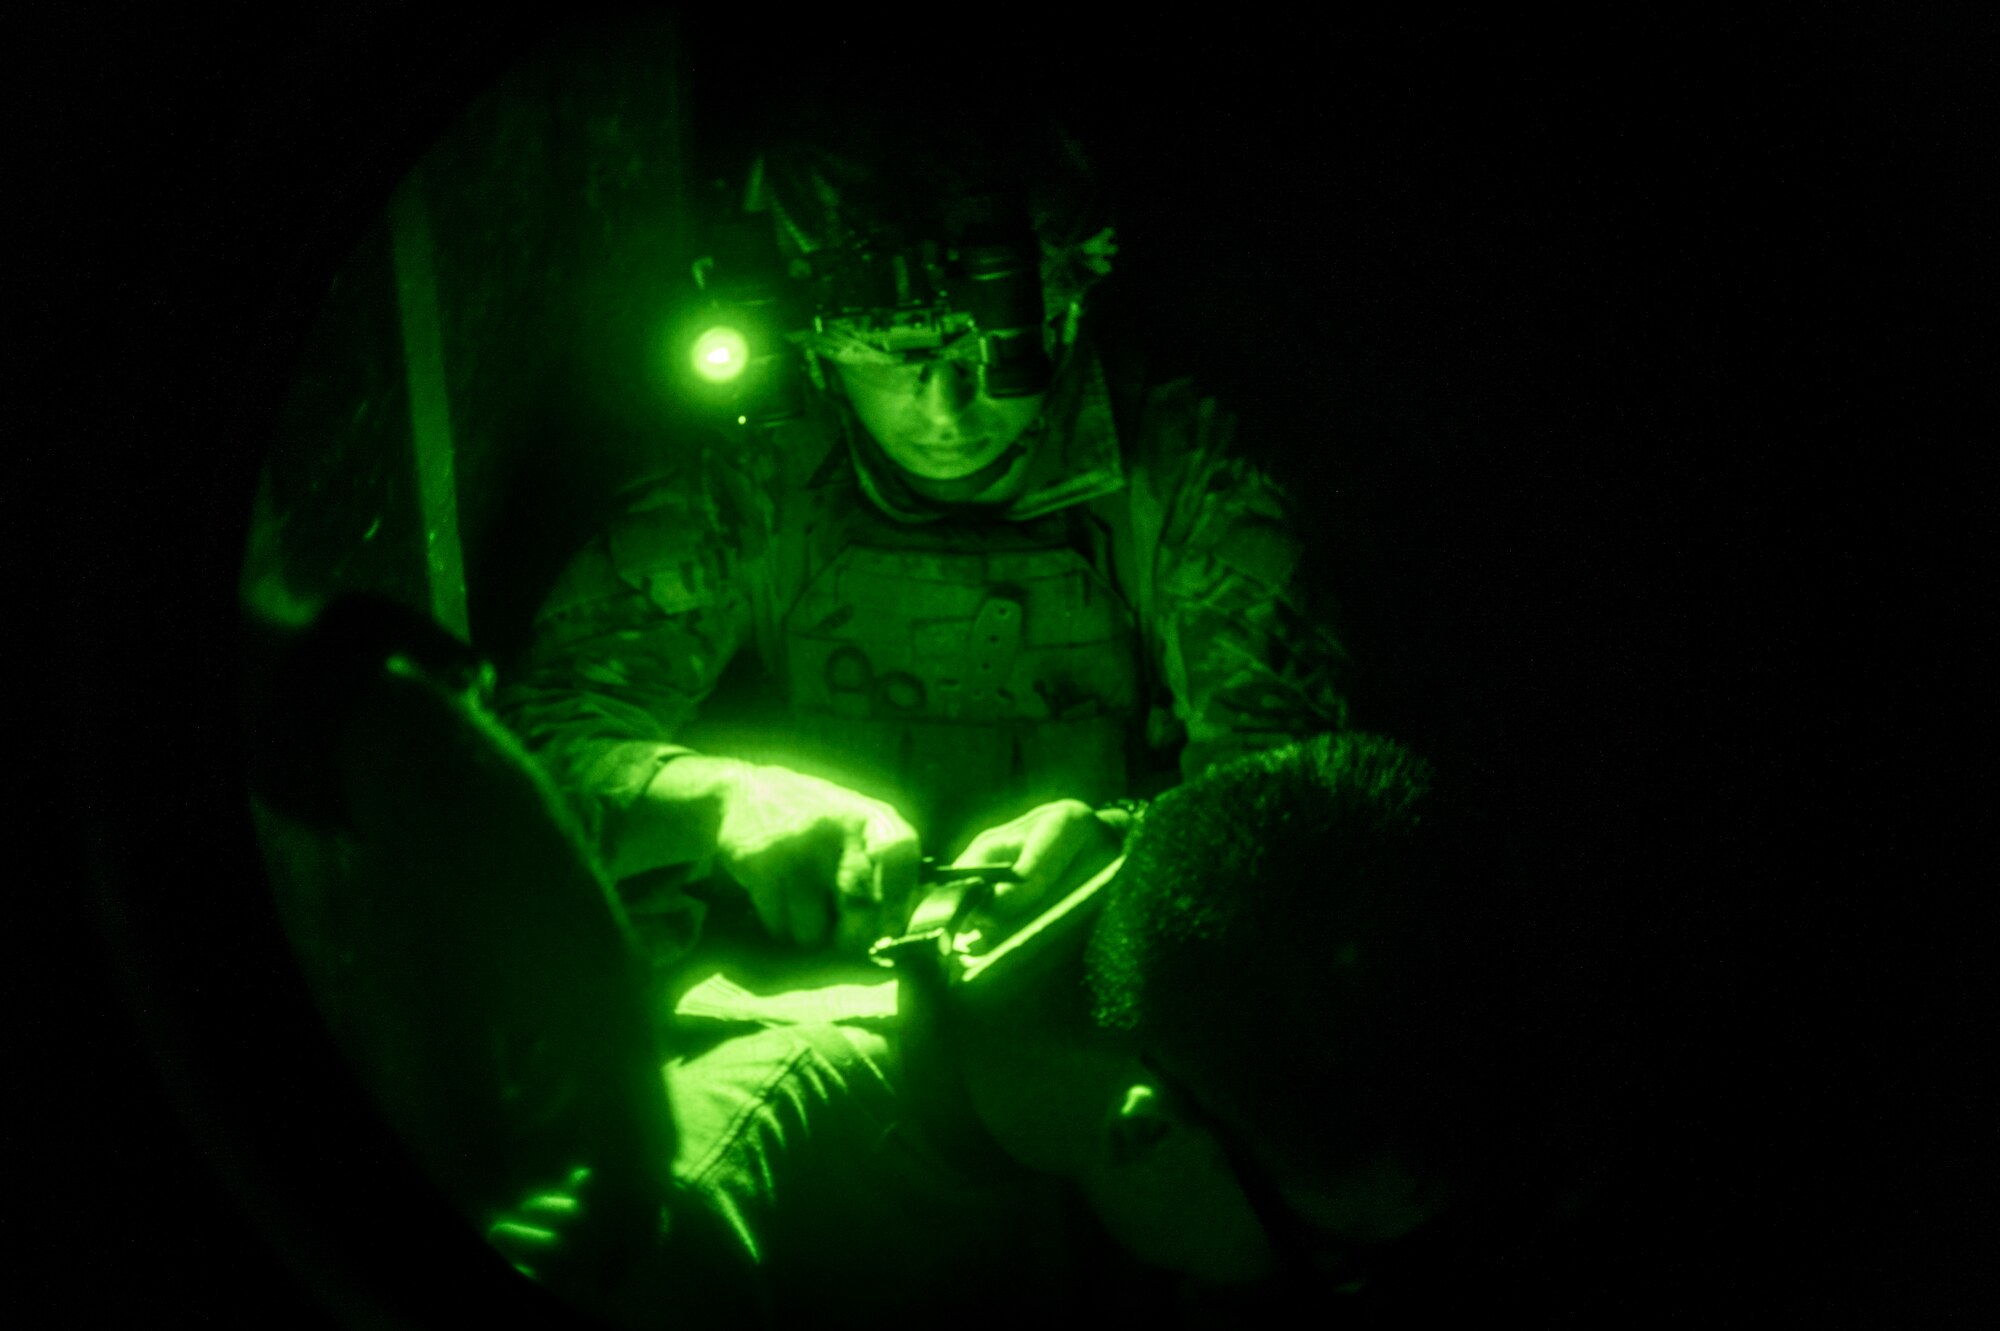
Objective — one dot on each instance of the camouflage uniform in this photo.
(1130, 619)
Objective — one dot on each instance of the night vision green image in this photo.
(808, 776)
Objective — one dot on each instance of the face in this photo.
(1173, 1202)
(1177, 1201)
(1379, 1201)
(931, 417)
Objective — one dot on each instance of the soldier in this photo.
(976, 586)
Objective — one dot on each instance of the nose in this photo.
(947, 388)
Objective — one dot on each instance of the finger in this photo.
(550, 1206)
(894, 858)
(1046, 853)
(522, 1245)
(854, 878)
(809, 901)
(1000, 844)
(517, 1238)
(1048, 840)
(766, 890)
(811, 866)
(857, 927)
(1053, 845)
(791, 884)
(858, 907)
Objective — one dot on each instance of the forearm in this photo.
(676, 820)
(606, 748)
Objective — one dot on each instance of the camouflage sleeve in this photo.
(1251, 663)
(633, 637)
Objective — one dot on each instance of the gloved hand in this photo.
(1059, 844)
(556, 1237)
(817, 859)
(535, 1234)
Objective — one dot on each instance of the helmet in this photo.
(880, 243)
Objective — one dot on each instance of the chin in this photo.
(945, 473)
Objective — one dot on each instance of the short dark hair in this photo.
(1277, 935)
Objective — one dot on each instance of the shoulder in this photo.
(1164, 414)
(1172, 428)
(660, 521)
(664, 538)
(1187, 461)
(1219, 503)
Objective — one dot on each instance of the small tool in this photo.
(952, 894)
(932, 872)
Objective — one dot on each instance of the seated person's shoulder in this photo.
(661, 541)
(660, 523)
(1180, 438)
(1167, 418)
(1218, 503)
(1148, 389)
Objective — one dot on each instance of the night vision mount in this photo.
(764, 324)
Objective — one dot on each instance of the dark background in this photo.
(1623, 366)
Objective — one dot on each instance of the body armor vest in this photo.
(963, 672)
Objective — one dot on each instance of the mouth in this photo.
(948, 461)
(953, 448)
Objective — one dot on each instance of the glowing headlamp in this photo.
(738, 352)
(721, 354)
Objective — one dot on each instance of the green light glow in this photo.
(513, 1231)
(720, 355)
(554, 1203)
